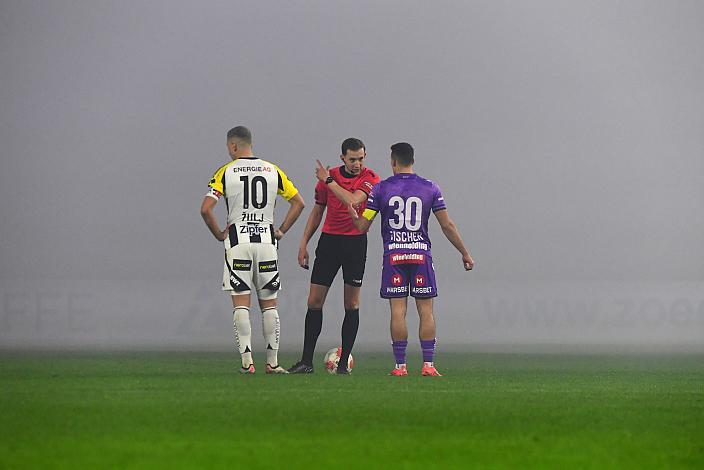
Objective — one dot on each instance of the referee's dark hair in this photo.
(402, 153)
(240, 133)
(353, 144)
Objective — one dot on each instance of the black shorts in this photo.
(333, 251)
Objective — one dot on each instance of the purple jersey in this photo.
(405, 201)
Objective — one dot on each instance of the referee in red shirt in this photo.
(340, 245)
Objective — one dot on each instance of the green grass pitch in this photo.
(192, 410)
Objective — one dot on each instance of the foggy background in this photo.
(568, 139)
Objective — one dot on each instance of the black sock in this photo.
(314, 323)
(350, 325)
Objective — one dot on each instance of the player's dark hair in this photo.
(240, 133)
(352, 144)
(402, 153)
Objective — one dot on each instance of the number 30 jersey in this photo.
(250, 186)
(405, 201)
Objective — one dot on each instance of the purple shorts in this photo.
(405, 273)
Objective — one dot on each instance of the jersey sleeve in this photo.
(372, 208)
(368, 181)
(216, 186)
(286, 187)
(438, 200)
(321, 194)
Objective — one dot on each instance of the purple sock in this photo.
(428, 347)
(400, 351)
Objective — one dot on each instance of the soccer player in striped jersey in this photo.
(250, 186)
(340, 245)
(405, 202)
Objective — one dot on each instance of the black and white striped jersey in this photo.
(250, 186)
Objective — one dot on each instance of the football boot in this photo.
(399, 371)
(247, 370)
(301, 368)
(275, 370)
(430, 371)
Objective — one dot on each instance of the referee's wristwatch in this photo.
(329, 180)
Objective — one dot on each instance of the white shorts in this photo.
(252, 266)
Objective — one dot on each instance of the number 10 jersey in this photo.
(250, 186)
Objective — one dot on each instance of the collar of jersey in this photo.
(248, 158)
(345, 174)
(401, 175)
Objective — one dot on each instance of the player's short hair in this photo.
(402, 153)
(353, 144)
(240, 133)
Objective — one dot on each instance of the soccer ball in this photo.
(332, 359)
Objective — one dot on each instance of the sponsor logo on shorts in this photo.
(420, 280)
(407, 258)
(267, 267)
(397, 290)
(423, 290)
(238, 284)
(241, 265)
(396, 280)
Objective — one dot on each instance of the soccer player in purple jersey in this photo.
(405, 201)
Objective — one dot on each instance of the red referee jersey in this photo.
(337, 220)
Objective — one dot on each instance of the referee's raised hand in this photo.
(321, 172)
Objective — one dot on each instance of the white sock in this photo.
(271, 329)
(243, 334)
(428, 364)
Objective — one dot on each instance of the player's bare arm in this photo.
(361, 223)
(206, 211)
(450, 230)
(297, 204)
(347, 197)
(314, 219)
